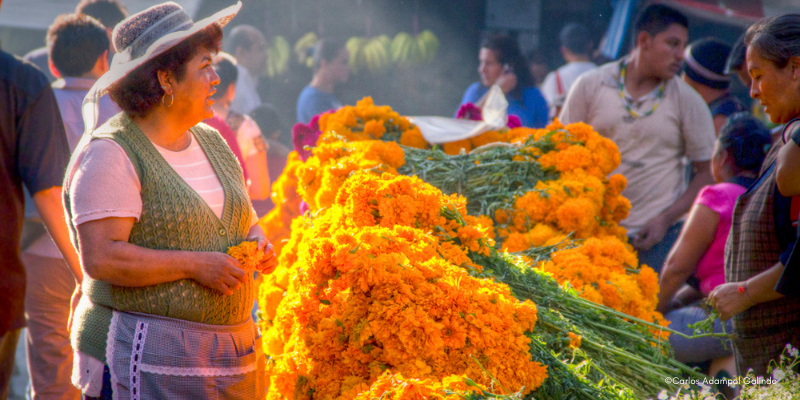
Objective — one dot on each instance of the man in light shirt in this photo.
(249, 47)
(656, 120)
(576, 46)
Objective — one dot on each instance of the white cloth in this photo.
(87, 374)
(568, 73)
(247, 98)
(439, 130)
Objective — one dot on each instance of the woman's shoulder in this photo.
(720, 194)
(532, 91)
(476, 87)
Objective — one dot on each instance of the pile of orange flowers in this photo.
(604, 271)
(583, 202)
(366, 121)
(320, 178)
(381, 299)
(396, 387)
(277, 223)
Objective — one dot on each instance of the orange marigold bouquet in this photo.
(366, 121)
(382, 282)
(394, 284)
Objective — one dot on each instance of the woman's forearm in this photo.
(125, 264)
(761, 288)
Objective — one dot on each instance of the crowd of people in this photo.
(139, 150)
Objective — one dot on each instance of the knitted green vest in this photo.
(174, 217)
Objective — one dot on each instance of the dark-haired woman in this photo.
(699, 253)
(762, 236)
(502, 64)
(155, 198)
(331, 68)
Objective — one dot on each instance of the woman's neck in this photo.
(165, 129)
(319, 83)
(729, 175)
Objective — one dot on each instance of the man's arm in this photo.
(654, 230)
(49, 204)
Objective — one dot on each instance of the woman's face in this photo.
(193, 93)
(489, 68)
(778, 89)
(340, 66)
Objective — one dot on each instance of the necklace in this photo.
(627, 103)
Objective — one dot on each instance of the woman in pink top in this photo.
(695, 265)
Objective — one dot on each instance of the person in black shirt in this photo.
(34, 152)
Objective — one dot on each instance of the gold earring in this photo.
(172, 100)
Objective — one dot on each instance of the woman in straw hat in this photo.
(155, 198)
(765, 310)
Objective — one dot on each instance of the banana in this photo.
(355, 46)
(302, 47)
(430, 43)
(278, 54)
(399, 48)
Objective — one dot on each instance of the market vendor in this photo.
(502, 64)
(695, 266)
(154, 199)
(762, 233)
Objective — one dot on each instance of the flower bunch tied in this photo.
(386, 285)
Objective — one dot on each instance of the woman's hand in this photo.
(270, 260)
(507, 81)
(218, 271)
(729, 300)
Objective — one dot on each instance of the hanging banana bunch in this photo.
(408, 51)
(279, 53)
(303, 49)
(371, 54)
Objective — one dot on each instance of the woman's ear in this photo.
(164, 79)
(794, 62)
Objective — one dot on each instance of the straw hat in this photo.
(144, 36)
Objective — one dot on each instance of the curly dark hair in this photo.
(140, 91)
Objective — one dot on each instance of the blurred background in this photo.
(432, 88)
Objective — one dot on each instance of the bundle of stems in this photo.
(629, 355)
(490, 180)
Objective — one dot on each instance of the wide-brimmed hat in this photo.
(144, 36)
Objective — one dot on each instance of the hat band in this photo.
(179, 18)
(703, 71)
